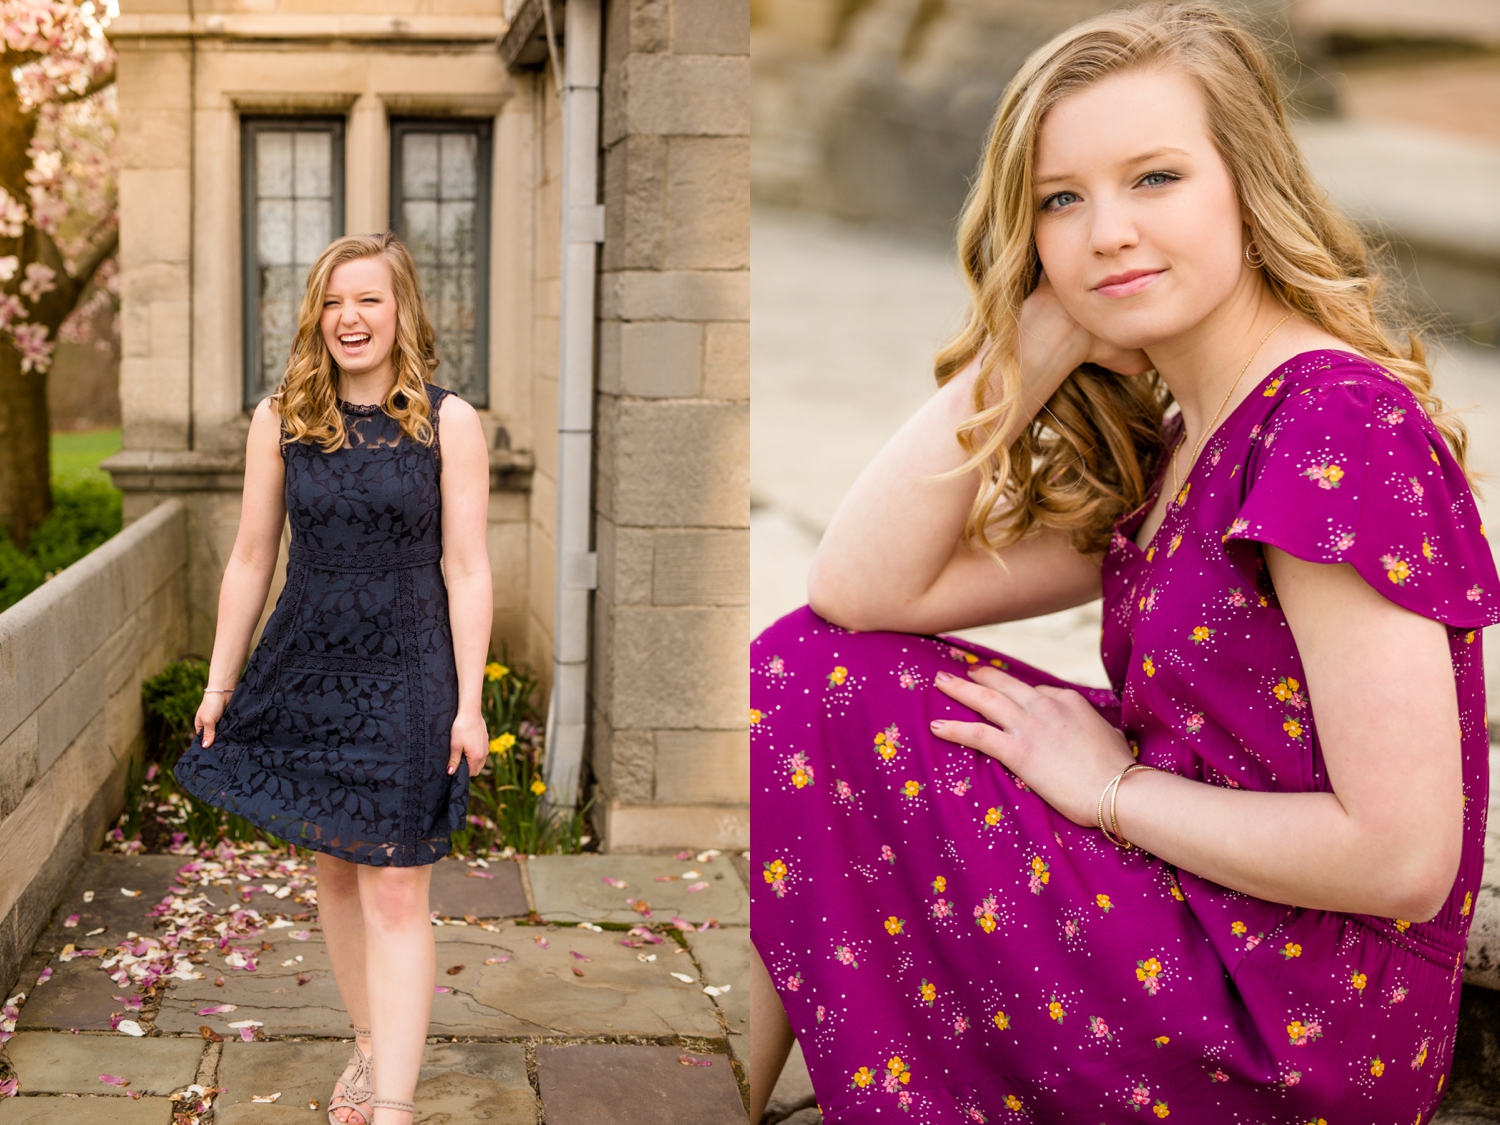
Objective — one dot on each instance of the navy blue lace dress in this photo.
(337, 736)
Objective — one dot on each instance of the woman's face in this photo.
(359, 315)
(1138, 225)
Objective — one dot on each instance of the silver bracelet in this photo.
(218, 690)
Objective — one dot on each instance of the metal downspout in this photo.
(577, 564)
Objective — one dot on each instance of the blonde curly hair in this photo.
(1086, 459)
(307, 399)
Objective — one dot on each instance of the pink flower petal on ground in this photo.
(496, 960)
(579, 956)
(479, 875)
(247, 1034)
(217, 1009)
(682, 923)
(688, 1060)
(540, 940)
(617, 884)
(114, 1080)
(9, 1087)
(45, 976)
(134, 1003)
(70, 921)
(684, 855)
(299, 935)
(442, 988)
(696, 887)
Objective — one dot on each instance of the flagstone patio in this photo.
(579, 990)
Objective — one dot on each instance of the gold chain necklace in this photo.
(1197, 449)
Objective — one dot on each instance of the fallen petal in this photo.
(696, 887)
(442, 988)
(303, 978)
(265, 1097)
(45, 976)
(688, 1060)
(209, 1033)
(683, 977)
(496, 960)
(114, 1080)
(578, 956)
(577, 972)
(454, 970)
(617, 884)
(9, 1087)
(70, 921)
(540, 940)
(130, 1027)
(247, 1023)
(478, 874)
(217, 1009)
(131, 894)
(247, 1034)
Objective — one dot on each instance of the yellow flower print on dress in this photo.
(939, 885)
(1357, 981)
(928, 992)
(862, 1078)
(1149, 973)
(911, 788)
(1172, 546)
(1401, 924)
(1234, 529)
(1040, 875)
(1288, 690)
(1160, 1109)
(837, 676)
(1055, 1010)
(1468, 904)
(1002, 1021)
(888, 742)
(1396, 569)
(1300, 1034)
(1201, 633)
(1149, 666)
(1469, 637)
(756, 716)
(893, 925)
(1162, 1040)
(1183, 495)
(1421, 1059)
(1326, 476)
(1013, 1103)
(993, 816)
(1237, 929)
(1292, 727)
(1427, 551)
(1103, 903)
(987, 914)
(1377, 1068)
(1273, 388)
(896, 1071)
(775, 874)
(1291, 949)
(802, 771)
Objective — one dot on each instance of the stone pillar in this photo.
(671, 622)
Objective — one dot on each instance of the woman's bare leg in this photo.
(770, 1037)
(400, 970)
(343, 923)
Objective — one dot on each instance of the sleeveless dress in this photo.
(951, 949)
(337, 735)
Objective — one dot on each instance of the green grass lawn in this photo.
(76, 456)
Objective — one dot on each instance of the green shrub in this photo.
(84, 514)
(170, 699)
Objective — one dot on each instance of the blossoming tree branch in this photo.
(58, 221)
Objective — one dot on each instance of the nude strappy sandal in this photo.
(394, 1103)
(358, 1090)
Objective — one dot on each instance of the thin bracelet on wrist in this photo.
(1111, 793)
(218, 691)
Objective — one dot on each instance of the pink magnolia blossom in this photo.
(40, 280)
(36, 350)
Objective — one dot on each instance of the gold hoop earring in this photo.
(1257, 261)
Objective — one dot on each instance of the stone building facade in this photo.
(252, 131)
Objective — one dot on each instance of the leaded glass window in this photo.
(440, 200)
(292, 172)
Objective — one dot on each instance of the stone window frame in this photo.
(482, 128)
(250, 125)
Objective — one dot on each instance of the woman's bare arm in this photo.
(466, 569)
(1386, 840)
(252, 563)
(892, 557)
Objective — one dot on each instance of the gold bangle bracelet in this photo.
(1114, 834)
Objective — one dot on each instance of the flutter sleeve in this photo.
(1352, 470)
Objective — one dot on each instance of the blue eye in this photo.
(1058, 200)
(1159, 179)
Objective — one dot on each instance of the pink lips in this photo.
(1127, 283)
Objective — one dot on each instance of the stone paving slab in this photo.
(538, 992)
(270, 994)
(58, 1063)
(725, 959)
(471, 1082)
(297, 1071)
(794, 1091)
(458, 889)
(572, 889)
(613, 1084)
(105, 875)
(79, 995)
(85, 1111)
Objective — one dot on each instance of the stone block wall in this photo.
(72, 658)
(671, 625)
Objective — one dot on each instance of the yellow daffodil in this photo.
(494, 671)
(503, 743)
(539, 787)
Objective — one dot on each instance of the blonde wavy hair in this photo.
(1087, 458)
(308, 395)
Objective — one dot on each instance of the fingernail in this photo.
(937, 724)
(941, 676)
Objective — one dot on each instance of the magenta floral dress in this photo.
(951, 949)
